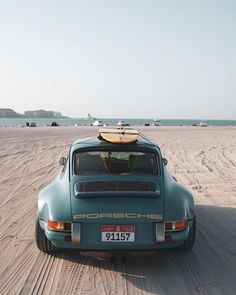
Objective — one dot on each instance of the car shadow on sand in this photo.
(209, 268)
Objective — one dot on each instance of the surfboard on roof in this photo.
(119, 135)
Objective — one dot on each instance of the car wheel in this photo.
(42, 241)
(188, 244)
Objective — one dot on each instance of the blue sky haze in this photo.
(119, 58)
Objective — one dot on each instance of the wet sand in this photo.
(202, 159)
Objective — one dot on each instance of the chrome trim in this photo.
(42, 224)
(76, 232)
(160, 232)
(58, 230)
(175, 230)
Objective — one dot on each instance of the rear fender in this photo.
(179, 202)
(54, 201)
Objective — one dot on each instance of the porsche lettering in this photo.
(117, 215)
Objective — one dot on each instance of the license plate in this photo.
(118, 233)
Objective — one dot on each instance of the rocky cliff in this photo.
(8, 113)
(42, 114)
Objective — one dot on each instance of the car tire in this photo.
(188, 244)
(42, 241)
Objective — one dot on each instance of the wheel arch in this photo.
(54, 203)
(179, 202)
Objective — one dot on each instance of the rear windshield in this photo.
(115, 162)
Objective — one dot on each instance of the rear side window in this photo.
(115, 162)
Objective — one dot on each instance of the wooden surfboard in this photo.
(119, 135)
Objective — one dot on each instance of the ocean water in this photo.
(8, 122)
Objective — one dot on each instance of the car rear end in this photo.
(117, 201)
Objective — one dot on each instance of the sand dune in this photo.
(202, 159)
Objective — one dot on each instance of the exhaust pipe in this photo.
(123, 259)
(113, 259)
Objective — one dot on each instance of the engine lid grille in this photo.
(116, 186)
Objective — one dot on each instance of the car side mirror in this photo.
(62, 161)
(165, 161)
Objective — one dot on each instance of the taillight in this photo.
(180, 225)
(176, 225)
(67, 226)
(168, 226)
(59, 226)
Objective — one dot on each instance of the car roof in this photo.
(87, 142)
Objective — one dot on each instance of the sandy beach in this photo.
(202, 159)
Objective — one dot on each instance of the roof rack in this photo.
(146, 138)
(121, 135)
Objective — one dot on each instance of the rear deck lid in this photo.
(117, 200)
(116, 183)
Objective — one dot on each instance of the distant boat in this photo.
(97, 123)
(89, 117)
(122, 123)
(203, 124)
(156, 122)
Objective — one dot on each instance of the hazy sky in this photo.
(119, 58)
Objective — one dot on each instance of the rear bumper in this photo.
(89, 238)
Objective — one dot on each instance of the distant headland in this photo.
(9, 113)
